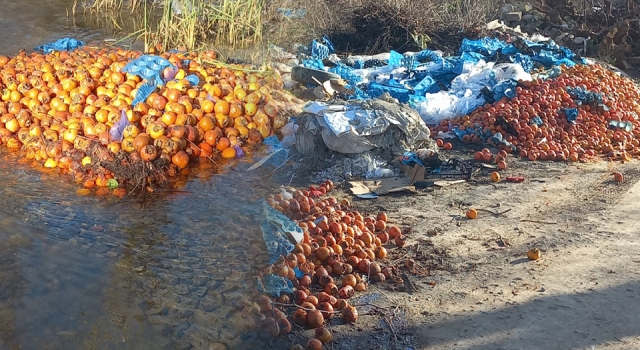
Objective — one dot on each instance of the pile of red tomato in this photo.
(57, 107)
(338, 256)
(558, 139)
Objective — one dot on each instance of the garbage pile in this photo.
(337, 253)
(441, 87)
(118, 118)
(526, 95)
(580, 113)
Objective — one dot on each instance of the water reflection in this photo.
(92, 272)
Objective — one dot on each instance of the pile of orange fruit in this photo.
(587, 138)
(341, 253)
(58, 109)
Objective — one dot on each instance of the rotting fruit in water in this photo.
(323, 334)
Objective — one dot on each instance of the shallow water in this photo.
(85, 272)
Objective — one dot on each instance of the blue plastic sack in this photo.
(506, 88)
(117, 130)
(486, 46)
(280, 153)
(509, 49)
(64, 44)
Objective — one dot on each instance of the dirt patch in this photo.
(462, 284)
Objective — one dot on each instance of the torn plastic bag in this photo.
(486, 46)
(278, 231)
(276, 156)
(63, 44)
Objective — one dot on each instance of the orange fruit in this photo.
(207, 106)
(223, 144)
(472, 214)
(618, 177)
(229, 153)
(235, 110)
(222, 107)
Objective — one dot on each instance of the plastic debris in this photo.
(149, 68)
(274, 285)
(292, 13)
(144, 91)
(117, 130)
(63, 44)
(276, 231)
(446, 87)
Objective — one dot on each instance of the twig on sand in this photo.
(494, 212)
(539, 222)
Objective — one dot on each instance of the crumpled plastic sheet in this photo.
(281, 152)
(274, 227)
(63, 44)
(486, 46)
(524, 61)
(274, 285)
(117, 130)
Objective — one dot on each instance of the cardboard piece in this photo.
(445, 183)
(369, 189)
(414, 173)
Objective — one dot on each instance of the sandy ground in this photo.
(472, 286)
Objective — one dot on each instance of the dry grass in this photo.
(354, 25)
(380, 25)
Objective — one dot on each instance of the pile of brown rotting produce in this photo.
(76, 111)
(340, 253)
(585, 112)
